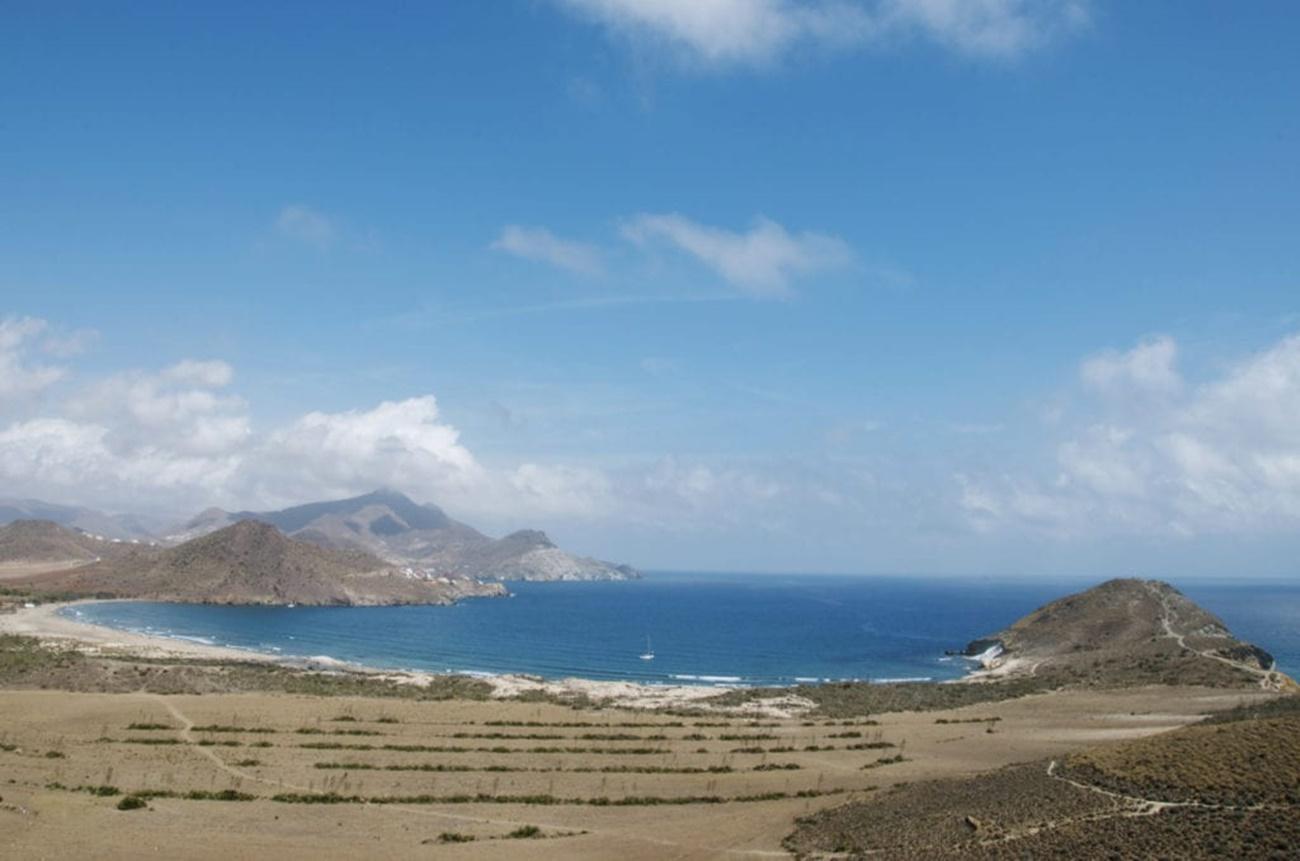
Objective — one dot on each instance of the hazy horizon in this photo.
(850, 288)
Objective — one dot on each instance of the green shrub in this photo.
(455, 837)
(132, 802)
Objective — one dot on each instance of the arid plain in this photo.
(400, 778)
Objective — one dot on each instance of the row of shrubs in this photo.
(142, 796)
(545, 799)
(431, 748)
(609, 769)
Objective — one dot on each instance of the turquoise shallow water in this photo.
(704, 628)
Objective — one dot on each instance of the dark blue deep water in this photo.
(704, 628)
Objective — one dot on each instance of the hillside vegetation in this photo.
(1225, 790)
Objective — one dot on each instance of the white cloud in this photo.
(211, 374)
(176, 440)
(1149, 367)
(178, 409)
(730, 33)
(301, 223)
(1156, 455)
(988, 29)
(63, 459)
(760, 262)
(401, 444)
(65, 345)
(538, 243)
(727, 32)
(18, 377)
(561, 489)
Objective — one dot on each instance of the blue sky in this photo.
(880, 286)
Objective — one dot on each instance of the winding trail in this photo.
(1269, 679)
(1147, 806)
(1125, 806)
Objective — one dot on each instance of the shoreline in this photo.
(46, 623)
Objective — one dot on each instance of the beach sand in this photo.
(45, 622)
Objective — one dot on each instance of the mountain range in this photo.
(385, 524)
(125, 527)
(391, 526)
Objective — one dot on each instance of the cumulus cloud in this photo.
(401, 444)
(173, 438)
(176, 439)
(19, 376)
(538, 243)
(301, 223)
(760, 262)
(731, 33)
(1148, 367)
(84, 461)
(177, 409)
(1157, 455)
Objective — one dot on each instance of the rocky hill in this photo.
(43, 544)
(251, 562)
(1124, 630)
(391, 526)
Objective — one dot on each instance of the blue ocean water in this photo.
(703, 628)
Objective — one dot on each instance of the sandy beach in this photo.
(47, 623)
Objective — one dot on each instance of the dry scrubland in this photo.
(1228, 788)
(235, 775)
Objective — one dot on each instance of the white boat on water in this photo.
(649, 653)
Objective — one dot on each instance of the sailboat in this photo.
(649, 653)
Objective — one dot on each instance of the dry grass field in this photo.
(252, 775)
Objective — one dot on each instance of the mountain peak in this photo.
(385, 495)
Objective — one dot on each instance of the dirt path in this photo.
(1147, 806)
(1269, 680)
(1126, 805)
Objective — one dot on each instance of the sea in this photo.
(701, 628)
